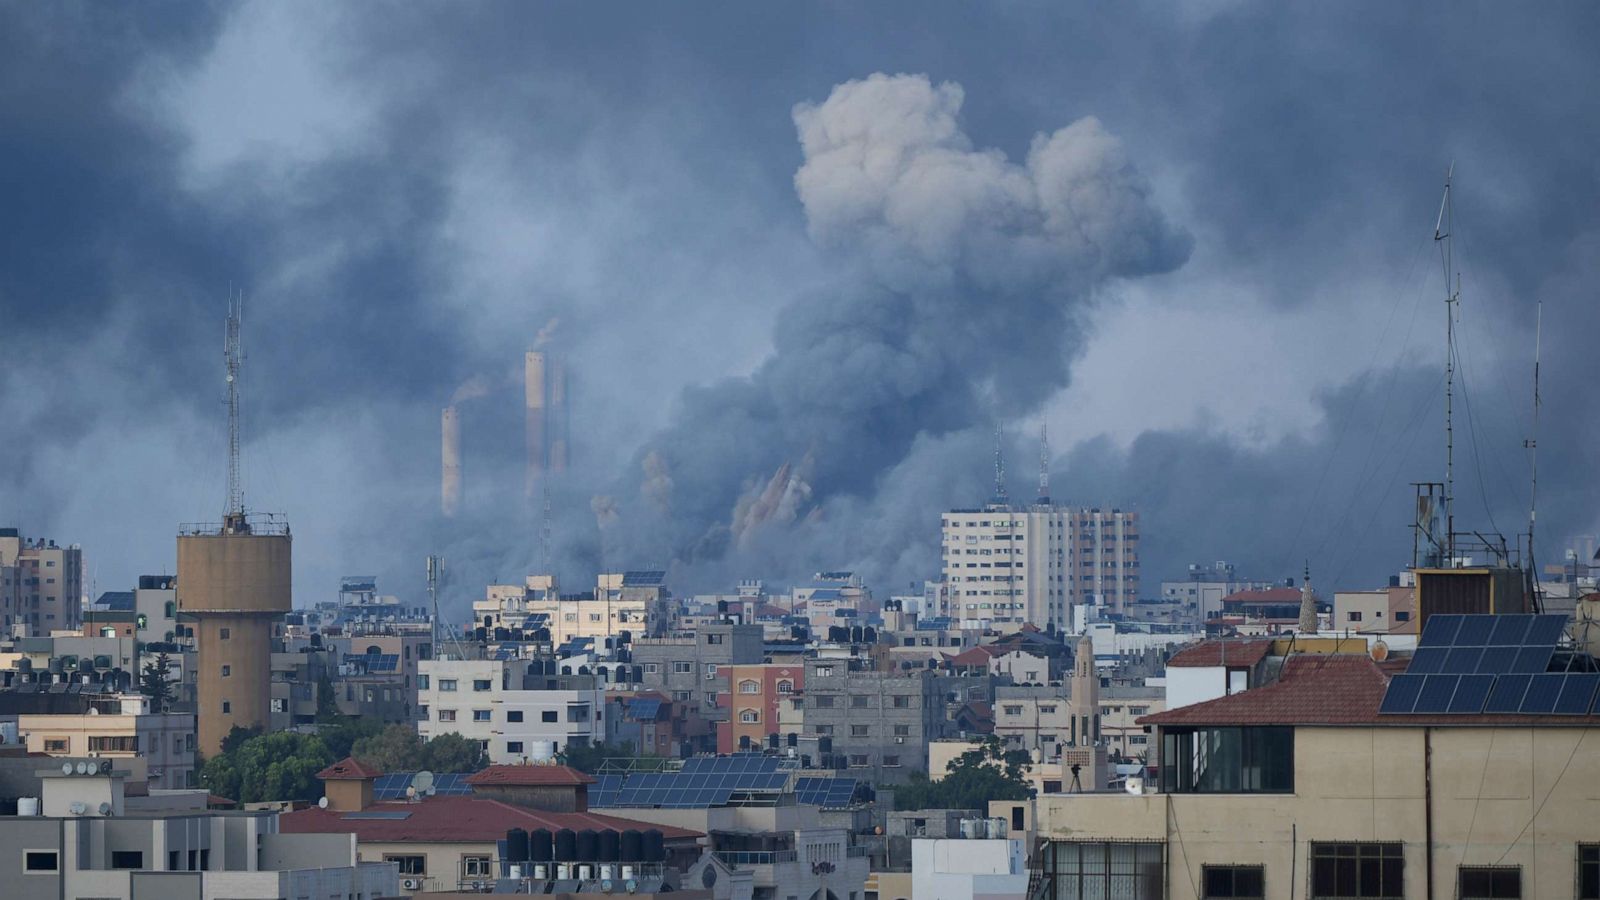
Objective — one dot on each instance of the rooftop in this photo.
(349, 769)
(530, 775)
(452, 819)
(1217, 653)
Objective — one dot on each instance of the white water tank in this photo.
(8, 733)
(27, 806)
(585, 872)
(627, 872)
(542, 751)
(564, 872)
(515, 872)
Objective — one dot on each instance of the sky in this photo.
(803, 261)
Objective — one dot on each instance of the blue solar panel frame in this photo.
(1401, 697)
(1507, 693)
(1577, 694)
(1440, 631)
(1470, 694)
(1542, 694)
(1436, 693)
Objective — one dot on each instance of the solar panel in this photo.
(1402, 694)
(1436, 693)
(1428, 660)
(1497, 659)
(1509, 631)
(1506, 695)
(1462, 660)
(1577, 694)
(1471, 693)
(1475, 631)
(1542, 694)
(1440, 631)
(1533, 659)
(1546, 629)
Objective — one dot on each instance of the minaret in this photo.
(1000, 498)
(1308, 605)
(1044, 466)
(1085, 695)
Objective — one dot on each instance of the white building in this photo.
(506, 710)
(1006, 565)
(969, 868)
(121, 728)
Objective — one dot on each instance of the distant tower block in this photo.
(535, 394)
(232, 584)
(450, 462)
(557, 418)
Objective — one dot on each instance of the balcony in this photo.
(747, 858)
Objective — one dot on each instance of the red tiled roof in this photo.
(530, 775)
(976, 656)
(1332, 689)
(348, 769)
(1215, 653)
(453, 819)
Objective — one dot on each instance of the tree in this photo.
(327, 703)
(278, 766)
(342, 735)
(987, 772)
(399, 749)
(589, 757)
(236, 738)
(153, 682)
(453, 753)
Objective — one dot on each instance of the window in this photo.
(682, 696)
(822, 729)
(711, 671)
(227, 708)
(1234, 881)
(652, 668)
(1589, 872)
(822, 702)
(749, 687)
(513, 715)
(1357, 870)
(476, 867)
(113, 743)
(409, 864)
(481, 684)
(682, 667)
(859, 760)
(714, 638)
(127, 859)
(227, 671)
(481, 715)
(1402, 616)
(1228, 760)
(858, 731)
(422, 682)
(902, 701)
(549, 715)
(1085, 870)
(749, 716)
(447, 685)
(785, 686)
(55, 745)
(891, 759)
(824, 671)
(513, 746)
(1488, 882)
(902, 731)
(39, 860)
(858, 701)
(1355, 615)
(447, 715)
(222, 634)
(1012, 710)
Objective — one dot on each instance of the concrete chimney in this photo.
(535, 411)
(450, 462)
(557, 416)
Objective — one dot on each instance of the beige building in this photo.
(46, 584)
(1007, 565)
(1303, 788)
(1121, 708)
(125, 730)
(623, 601)
(1384, 611)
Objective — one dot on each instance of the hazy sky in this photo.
(1195, 240)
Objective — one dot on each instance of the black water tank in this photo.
(794, 739)
(855, 634)
(517, 845)
(540, 848)
(588, 845)
(566, 845)
(655, 845)
(610, 846)
(870, 634)
(631, 845)
(542, 635)
(744, 742)
(502, 634)
(824, 745)
(772, 741)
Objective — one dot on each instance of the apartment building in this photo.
(49, 583)
(1007, 565)
(1349, 778)
(692, 668)
(119, 728)
(622, 601)
(877, 722)
(751, 704)
(1387, 610)
(1121, 708)
(506, 708)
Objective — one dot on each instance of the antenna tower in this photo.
(233, 357)
(1044, 465)
(1000, 496)
(1532, 443)
(435, 568)
(1442, 230)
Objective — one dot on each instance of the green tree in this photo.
(237, 737)
(453, 753)
(278, 766)
(394, 749)
(589, 757)
(987, 772)
(327, 703)
(153, 682)
(342, 735)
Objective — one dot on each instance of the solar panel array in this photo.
(644, 709)
(393, 785)
(703, 782)
(829, 793)
(382, 662)
(1476, 664)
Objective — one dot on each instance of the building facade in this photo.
(495, 703)
(48, 591)
(1007, 565)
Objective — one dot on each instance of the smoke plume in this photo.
(965, 277)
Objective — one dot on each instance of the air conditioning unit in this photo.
(411, 884)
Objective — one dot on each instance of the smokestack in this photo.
(450, 462)
(535, 394)
(557, 416)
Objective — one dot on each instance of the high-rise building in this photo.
(41, 584)
(1006, 565)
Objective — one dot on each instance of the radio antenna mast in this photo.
(1044, 465)
(1442, 230)
(233, 358)
(1532, 443)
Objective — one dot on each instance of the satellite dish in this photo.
(1380, 651)
(632, 885)
(83, 768)
(78, 807)
(322, 802)
(105, 809)
(105, 767)
(66, 768)
(422, 781)
(605, 885)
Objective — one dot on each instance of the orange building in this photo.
(752, 699)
